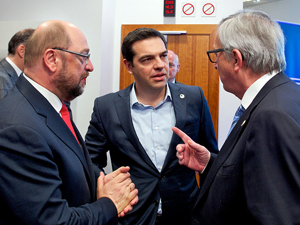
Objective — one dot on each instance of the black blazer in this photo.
(111, 129)
(46, 177)
(255, 179)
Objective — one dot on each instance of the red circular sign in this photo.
(188, 9)
(208, 9)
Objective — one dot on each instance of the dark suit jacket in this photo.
(255, 179)
(8, 77)
(111, 128)
(46, 177)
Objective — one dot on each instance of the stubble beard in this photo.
(69, 90)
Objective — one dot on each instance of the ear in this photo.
(51, 60)
(178, 67)
(238, 59)
(21, 51)
(128, 65)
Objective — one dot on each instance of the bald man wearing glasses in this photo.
(46, 172)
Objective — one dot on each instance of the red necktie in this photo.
(66, 117)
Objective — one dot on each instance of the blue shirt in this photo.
(153, 126)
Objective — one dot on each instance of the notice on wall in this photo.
(188, 9)
(208, 9)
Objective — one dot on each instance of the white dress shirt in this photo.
(17, 69)
(253, 90)
(52, 98)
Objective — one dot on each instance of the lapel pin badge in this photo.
(243, 123)
(181, 96)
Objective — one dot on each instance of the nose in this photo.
(89, 66)
(159, 64)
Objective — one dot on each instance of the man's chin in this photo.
(75, 93)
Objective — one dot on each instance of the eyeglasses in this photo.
(212, 54)
(86, 56)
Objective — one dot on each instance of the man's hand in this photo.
(118, 187)
(191, 154)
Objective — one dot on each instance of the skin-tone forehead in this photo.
(46, 25)
(171, 55)
(74, 32)
(145, 47)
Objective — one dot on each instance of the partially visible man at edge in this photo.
(12, 66)
(255, 179)
(46, 174)
(174, 66)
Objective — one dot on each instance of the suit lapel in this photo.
(14, 77)
(53, 120)
(237, 131)
(86, 161)
(122, 105)
(61, 130)
(179, 103)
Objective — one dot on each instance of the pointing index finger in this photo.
(181, 134)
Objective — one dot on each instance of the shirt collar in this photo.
(253, 90)
(134, 100)
(17, 69)
(52, 98)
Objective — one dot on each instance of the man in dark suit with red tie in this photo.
(46, 174)
(255, 179)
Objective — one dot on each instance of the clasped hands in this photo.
(119, 188)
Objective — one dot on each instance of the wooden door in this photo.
(195, 69)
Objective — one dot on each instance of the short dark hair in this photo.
(19, 38)
(138, 34)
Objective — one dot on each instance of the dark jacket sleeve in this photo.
(96, 140)
(31, 185)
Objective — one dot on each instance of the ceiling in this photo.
(248, 3)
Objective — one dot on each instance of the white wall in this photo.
(101, 20)
(8, 29)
